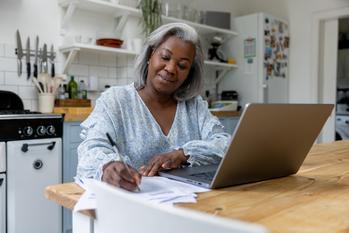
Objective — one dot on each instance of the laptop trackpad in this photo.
(195, 173)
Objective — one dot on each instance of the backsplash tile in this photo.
(11, 78)
(109, 69)
(10, 50)
(2, 78)
(10, 64)
(2, 50)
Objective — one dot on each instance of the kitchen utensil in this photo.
(36, 57)
(40, 60)
(44, 59)
(27, 58)
(52, 58)
(37, 84)
(19, 53)
(56, 82)
(44, 79)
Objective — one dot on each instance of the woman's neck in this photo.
(151, 96)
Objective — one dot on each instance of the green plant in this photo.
(151, 15)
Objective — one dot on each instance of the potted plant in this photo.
(151, 15)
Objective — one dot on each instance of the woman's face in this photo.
(169, 65)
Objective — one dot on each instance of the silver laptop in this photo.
(270, 141)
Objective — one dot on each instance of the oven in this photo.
(2, 203)
(30, 160)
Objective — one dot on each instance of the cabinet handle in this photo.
(25, 146)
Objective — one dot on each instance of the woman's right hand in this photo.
(116, 173)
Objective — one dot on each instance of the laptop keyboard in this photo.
(204, 175)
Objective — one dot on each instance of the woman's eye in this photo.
(165, 58)
(182, 66)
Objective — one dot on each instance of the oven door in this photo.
(32, 165)
(2, 203)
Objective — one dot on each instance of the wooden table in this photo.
(316, 199)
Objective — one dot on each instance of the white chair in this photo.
(119, 212)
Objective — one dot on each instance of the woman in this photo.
(158, 122)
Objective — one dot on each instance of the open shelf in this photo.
(73, 49)
(118, 10)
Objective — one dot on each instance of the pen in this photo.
(121, 157)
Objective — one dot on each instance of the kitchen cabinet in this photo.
(71, 141)
(229, 123)
(121, 14)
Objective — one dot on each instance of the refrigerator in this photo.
(261, 51)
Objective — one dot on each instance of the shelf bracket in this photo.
(220, 75)
(68, 14)
(120, 21)
(69, 60)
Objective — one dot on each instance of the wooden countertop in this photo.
(316, 199)
(74, 113)
(226, 113)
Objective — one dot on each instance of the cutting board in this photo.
(73, 113)
(73, 103)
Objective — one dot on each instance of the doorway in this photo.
(342, 100)
(324, 62)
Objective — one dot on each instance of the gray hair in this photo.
(193, 84)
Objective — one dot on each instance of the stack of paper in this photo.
(154, 189)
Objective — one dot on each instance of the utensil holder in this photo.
(46, 102)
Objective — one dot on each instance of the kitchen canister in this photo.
(46, 102)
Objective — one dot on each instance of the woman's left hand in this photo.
(163, 161)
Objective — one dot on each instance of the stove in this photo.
(30, 160)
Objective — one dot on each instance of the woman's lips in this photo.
(166, 79)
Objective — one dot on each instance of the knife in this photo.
(19, 54)
(40, 58)
(36, 57)
(27, 58)
(44, 58)
(52, 58)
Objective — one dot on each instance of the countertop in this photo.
(74, 113)
(316, 199)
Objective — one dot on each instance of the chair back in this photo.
(118, 211)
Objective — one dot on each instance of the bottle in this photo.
(82, 90)
(66, 93)
(72, 88)
(61, 92)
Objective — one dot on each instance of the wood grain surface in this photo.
(316, 199)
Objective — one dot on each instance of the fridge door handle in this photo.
(1, 181)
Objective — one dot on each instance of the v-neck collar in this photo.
(154, 119)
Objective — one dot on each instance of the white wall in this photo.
(300, 16)
(43, 18)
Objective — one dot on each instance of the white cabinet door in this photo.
(2, 157)
(2, 203)
(32, 166)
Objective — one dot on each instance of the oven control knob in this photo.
(28, 131)
(51, 130)
(41, 130)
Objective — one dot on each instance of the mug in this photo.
(46, 102)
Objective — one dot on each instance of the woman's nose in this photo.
(171, 67)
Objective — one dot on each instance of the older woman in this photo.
(158, 122)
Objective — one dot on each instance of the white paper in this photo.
(154, 189)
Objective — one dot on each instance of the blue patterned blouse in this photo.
(121, 112)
